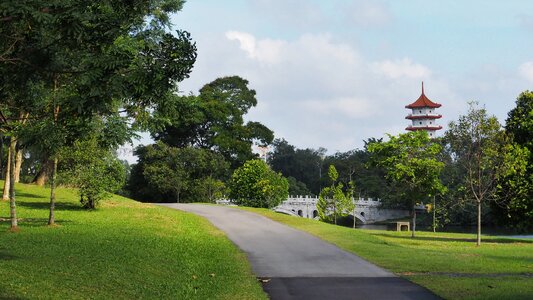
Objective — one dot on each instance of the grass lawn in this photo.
(123, 250)
(449, 264)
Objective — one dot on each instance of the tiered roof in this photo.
(423, 101)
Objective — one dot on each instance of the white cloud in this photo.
(401, 68)
(348, 107)
(314, 90)
(526, 70)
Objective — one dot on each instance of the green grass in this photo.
(449, 264)
(123, 250)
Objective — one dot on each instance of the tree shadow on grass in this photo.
(45, 205)
(452, 239)
(28, 195)
(31, 222)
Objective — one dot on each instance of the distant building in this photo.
(263, 152)
(424, 115)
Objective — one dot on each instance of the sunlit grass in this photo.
(123, 250)
(449, 264)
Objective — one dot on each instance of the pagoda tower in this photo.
(424, 115)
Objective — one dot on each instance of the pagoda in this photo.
(424, 115)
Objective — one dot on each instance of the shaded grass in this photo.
(449, 264)
(122, 250)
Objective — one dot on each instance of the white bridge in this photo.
(366, 210)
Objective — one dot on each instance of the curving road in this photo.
(301, 266)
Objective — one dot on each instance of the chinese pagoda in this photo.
(424, 115)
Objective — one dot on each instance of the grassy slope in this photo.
(448, 264)
(123, 250)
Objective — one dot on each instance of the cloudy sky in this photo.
(334, 73)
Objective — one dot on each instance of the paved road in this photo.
(301, 266)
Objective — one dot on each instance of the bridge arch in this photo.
(359, 216)
(285, 211)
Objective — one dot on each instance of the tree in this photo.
(181, 174)
(93, 169)
(305, 165)
(332, 202)
(478, 143)
(517, 211)
(410, 162)
(93, 57)
(214, 120)
(256, 185)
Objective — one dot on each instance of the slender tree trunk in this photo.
(434, 221)
(51, 218)
(5, 195)
(353, 213)
(335, 213)
(413, 230)
(18, 165)
(478, 223)
(1, 155)
(12, 203)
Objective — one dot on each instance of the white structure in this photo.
(366, 210)
(424, 115)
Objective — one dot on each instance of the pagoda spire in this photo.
(422, 87)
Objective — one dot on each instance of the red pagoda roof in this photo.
(423, 101)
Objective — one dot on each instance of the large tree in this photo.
(483, 149)
(410, 161)
(93, 57)
(214, 119)
(517, 210)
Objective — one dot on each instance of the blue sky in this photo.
(334, 73)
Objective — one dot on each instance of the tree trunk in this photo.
(434, 221)
(413, 230)
(5, 195)
(42, 176)
(12, 203)
(353, 215)
(18, 165)
(479, 223)
(1, 155)
(51, 218)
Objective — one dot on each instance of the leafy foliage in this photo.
(94, 170)
(165, 173)
(410, 162)
(333, 202)
(483, 150)
(212, 120)
(256, 185)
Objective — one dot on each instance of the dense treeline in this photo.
(499, 156)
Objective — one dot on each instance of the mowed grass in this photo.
(123, 250)
(449, 264)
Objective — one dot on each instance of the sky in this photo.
(334, 73)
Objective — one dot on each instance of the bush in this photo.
(256, 185)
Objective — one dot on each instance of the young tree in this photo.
(410, 162)
(484, 151)
(93, 169)
(333, 202)
(256, 185)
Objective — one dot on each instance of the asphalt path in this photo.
(296, 265)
